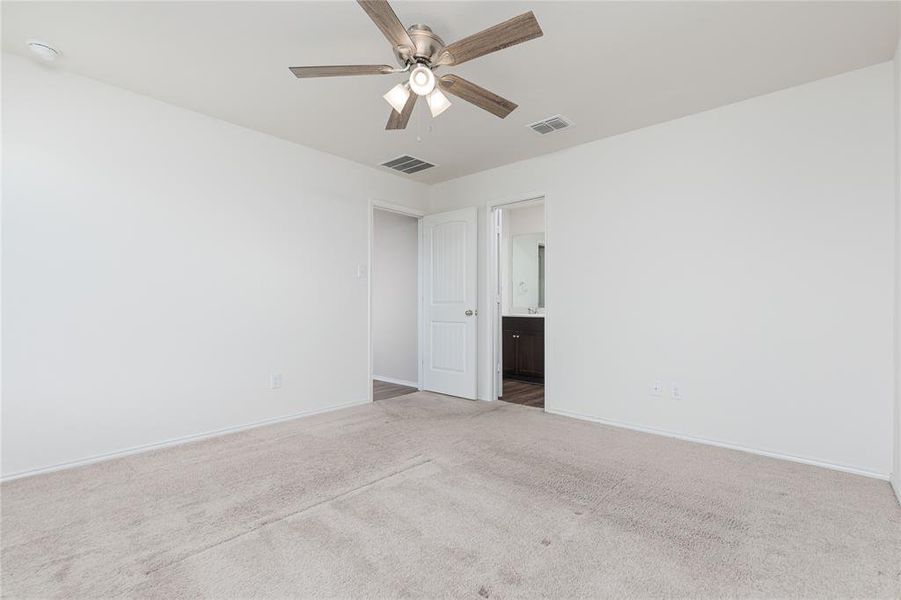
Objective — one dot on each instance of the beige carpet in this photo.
(427, 496)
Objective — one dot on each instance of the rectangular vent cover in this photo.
(408, 164)
(550, 125)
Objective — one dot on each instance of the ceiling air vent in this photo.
(550, 125)
(407, 164)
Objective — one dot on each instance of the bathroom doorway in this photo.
(520, 307)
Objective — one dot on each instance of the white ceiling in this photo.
(608, 66)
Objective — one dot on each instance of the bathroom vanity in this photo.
(523, 347)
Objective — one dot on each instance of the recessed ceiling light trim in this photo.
(43, 50)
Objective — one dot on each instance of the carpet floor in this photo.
(429, 496)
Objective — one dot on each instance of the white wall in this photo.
(745, 253)
(527, 219)
(395, 273)
(159, 265)
(896, 470)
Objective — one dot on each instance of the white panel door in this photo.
(449, 303)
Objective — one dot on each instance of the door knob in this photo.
(468, 313)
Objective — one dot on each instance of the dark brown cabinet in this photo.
(523, 348)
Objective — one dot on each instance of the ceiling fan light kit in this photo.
(422, 80)
(438, 102)
(397, 96)
(419, 51)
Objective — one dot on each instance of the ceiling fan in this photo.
(420, 52)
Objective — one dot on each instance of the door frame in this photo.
(417, 214)
(495, 311)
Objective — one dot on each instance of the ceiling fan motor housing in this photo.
(427, 45)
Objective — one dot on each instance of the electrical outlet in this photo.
(677, 392)
(656, 390)
(275, 381)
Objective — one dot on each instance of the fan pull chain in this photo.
(419, 125)
(419, 120)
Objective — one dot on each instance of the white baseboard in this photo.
(896, 485)
(395, 381)
(175, 441)
(697, 440)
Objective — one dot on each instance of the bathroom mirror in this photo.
(527, 272)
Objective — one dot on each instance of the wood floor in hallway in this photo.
(382, 390)
(522, 392)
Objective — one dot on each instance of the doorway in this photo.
(394, 302)
(520, 307)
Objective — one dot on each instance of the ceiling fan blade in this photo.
(384, 18)
(479, 96)
(342, 70)
(399, 120)
(503, 35)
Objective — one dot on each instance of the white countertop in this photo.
(538, 316)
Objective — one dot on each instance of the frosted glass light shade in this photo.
(422, 80)
(397, 96)
(438, 102)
